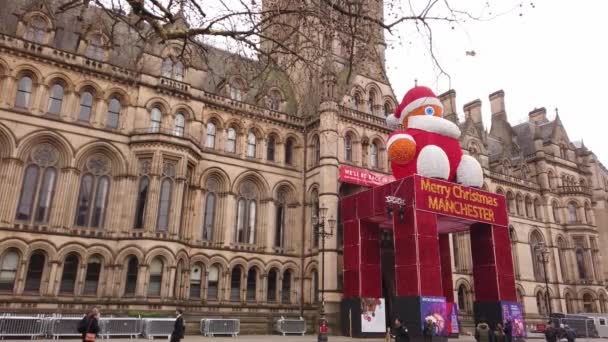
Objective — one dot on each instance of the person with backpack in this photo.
(89, 325)
(178, 328)
(550, 333)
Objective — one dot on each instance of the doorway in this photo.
(387, 248)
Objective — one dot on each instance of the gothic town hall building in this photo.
(139, 181)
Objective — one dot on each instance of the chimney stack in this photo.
(448, 100)
(473, 110)
(497, 103)
(538, 115)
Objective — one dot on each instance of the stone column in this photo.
(169, 288)
(151, 214)
(49, 285)
(42, 105)
(228, 221)
(142, 281)
(11, 176)
(65, 198)
(10, 88)
(175, 218)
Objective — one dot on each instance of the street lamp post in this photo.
(319, 227)
(544, 252)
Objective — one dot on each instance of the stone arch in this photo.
(236, 124)
(118, 160)
(256, 262)
(297, 141)
(7, 142)
(311, 266)
(257, 130)
(28, 69)
(71, 248)
(216, 120)
(124, 254)
(163, 252)
(290, 265)
(99, 93)
(14, 243)
(47, 247)
(221, 261)
(184, 109)
(163, 105)
(257, 179)
(65, 79)
(238, 261)
(30, 141)
(285, 187)
(182, 255)
(102, 251)
(535, 231)
(278, 137)
(199, 258)
(121, 95)
(220, 175)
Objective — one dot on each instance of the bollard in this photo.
(322, 337)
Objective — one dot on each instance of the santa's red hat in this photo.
(414, 98)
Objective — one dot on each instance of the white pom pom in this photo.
(392, 121)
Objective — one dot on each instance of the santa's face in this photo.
(426, 110)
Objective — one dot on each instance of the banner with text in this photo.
(452, 199)
(512, 312)
(353, 175)
(433, 314)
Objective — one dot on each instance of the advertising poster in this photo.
(452, 315)
(373, 315)
(511, 311)
(433, 310)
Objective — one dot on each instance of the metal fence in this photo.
(63, 327)
(158, 327)
(219, 326)
(290, 326)
(23, 326)
(583, 327)
(124, 327)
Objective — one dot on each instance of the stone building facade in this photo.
(138, 180)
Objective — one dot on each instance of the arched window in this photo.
(589, 303)
(36, 30)
(274, 100)
(55, 99)
(561, 249)
(371, 102)
(213, 280)
(155, 118)
(511, 202)
(356, 101)
(91, 279)
(316, 144)
(211, 132)
(235, 284)
(86, 106)
(286, 288)
(164, 206)
(348, 148)
(538, 260)
(387, 109)
(236, 89)
(156, 277)
(142, 201)
(180, 123)
(35, 269)
(251, 144)
(38, 185)
(68, 279)
(580, 262)
(271, 295)
(315, 214)
(603, 307)
(93, 194)
(270, 148)
(520, 299)
(289, 151)
(131, 276)
(572, 217)
(373, 155)
(252, 282)
(514, 254)
(569, 304)
(520, 205)
(24, 92)
(529, 207)
(246, 213)
(537, 210)
(279, 233)
(541, 303)
(178, 70)
(113, 115)
(196, 279)
(588, 218)
(462, 299)
(231, 141)
(167, 68)
(212, 186)
(8, 270)
(555, 210)
(95, 48)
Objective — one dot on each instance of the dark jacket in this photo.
(551, 334)
(400, 334)
(483, 333)
(178, 329)
(92, 326)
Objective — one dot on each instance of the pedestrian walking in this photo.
(570, 334)
(400, 333)
(178, 328)
(550, 333)
(499, 333)
(428, 330)
(483, 332)
(89, 325)
(508, 331)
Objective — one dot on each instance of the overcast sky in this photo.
(548, 57)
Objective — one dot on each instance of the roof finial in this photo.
(556, 112)
(415, 82)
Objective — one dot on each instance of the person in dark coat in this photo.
(178, 328)
(399, 332)
(551, 333)
(89, 326)
(508, 331)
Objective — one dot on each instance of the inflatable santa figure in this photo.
(429, 145)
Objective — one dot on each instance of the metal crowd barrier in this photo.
(158, 327)
(290, 326)
(218, 326)
(63, 327)
(115, 327)
(22, 326)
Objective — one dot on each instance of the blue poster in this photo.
(433, 313)
(511, 311)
